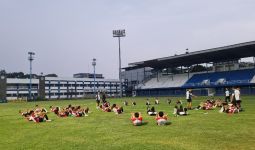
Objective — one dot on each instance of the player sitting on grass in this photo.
(178, 102)
(125, 103)
(26, 113)
(161, 119)
(156, 101)
(229, 108)
(147, 102)
(79, 112)
(40, 117)
(54, 109)
(151, 111)
(29, 114)
(39, 109)
(180, 111)
(36, 116)
(207, 105)
(76, 111)
(62, 113)
(232, 109)
(136, 118)
(106, 107)
(117, 109)
(169, 101)
(65, 112)
(219, 103)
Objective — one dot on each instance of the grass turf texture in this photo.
(102, 130)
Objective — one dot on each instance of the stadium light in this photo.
(94, 66)
(30, 58)
(187, 51)
(119, 34)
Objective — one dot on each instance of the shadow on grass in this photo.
(146, 122)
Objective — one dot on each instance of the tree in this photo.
(198, 68)
(51, 75)
(2, 72)
(15, 75)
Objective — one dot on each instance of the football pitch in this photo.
(205, 130)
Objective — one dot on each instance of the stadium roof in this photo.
(220, 54)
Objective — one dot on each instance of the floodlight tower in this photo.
(30, 58)
(119, 34)
(94, 66)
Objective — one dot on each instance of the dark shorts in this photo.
(234, 102)
(227, 98)
(98, 101)
(189, 100)
(238, 101)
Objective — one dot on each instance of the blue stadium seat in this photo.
(231, 78)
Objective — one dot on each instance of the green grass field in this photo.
(103, 131)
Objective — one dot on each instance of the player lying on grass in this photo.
(207, 105)
(105, 107)
(136, 118)
(162, 119)
(219, 102)
(180, 111)
(229, 108)
(210, 104)
(59, 112)
(117, 109)
(35, 115)
(40, 109)
(74, 111)
(151, 111)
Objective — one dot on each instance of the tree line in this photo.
(22, 75)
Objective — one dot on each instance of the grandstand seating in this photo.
(237, 77)
(229, 78)
(165, 81)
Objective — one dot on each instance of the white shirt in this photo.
(237, 94)
(188, 95)
(227, 93)
(98, 97)
(115, 110)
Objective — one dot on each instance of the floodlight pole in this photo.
(94, 66)
(30, 58)
(119, 34)
(120, 69)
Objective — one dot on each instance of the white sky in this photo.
(67, 34)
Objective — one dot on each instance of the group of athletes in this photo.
(39, 114)
(231, 104)
(36, 114)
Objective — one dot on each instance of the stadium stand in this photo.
(166, 81)
(220, 67)
(237, 77)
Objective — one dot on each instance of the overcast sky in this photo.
(67, 34)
